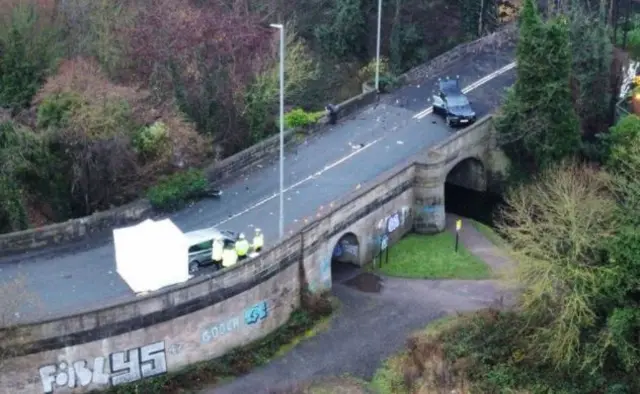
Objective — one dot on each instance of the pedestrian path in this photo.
(478, 244)
(370, 327)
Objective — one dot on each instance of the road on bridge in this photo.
(321, 170)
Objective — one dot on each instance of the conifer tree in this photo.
(538, 125)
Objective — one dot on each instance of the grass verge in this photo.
(433, 257)
(302, 324)
(491, 234)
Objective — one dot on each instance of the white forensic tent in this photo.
(151, 255)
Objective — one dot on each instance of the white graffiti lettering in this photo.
(350, 249)
(124, 367)
(393, 223)
(404, 214)
(219, 329)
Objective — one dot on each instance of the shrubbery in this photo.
(151, 140)
(300, 118)
(387, 80)
(175, 191)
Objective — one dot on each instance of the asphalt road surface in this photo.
(322, 169)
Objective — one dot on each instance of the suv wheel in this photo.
(448, 119)
(193, 267)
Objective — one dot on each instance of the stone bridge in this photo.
(208, 316)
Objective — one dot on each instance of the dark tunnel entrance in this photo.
(345, 259)
(465, 192)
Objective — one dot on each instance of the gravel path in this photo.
(370, 327)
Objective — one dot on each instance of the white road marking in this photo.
(301, 182)
(328, 167)
(471, 87)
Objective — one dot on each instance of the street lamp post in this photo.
(281, 222)
(378, 46)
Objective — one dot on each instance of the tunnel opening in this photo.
(466, 194)
(345, 259)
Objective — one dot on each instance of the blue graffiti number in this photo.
(256, 313)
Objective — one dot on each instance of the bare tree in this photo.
(557, 227)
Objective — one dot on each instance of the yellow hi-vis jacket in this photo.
(217, 250)
(229, 257)
(242, 247)
(258, 241)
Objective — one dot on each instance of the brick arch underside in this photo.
(469, 172)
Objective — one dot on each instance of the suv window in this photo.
(201, 246)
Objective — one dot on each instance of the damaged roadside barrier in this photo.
(333, 113)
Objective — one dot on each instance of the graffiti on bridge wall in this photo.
(251, 316)
(389, 225)
(347, 245)
(119, 368)
(323, 281)
(394, 221)
(433, 213)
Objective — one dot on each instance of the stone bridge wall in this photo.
(208, 316)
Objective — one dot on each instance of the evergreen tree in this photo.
(28, 51)
(592, 52)
(538, 125)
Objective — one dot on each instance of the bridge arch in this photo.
(347, 249)
(469, 172)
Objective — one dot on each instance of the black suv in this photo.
(452, 104)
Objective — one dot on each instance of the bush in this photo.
(368, 72)
(13, 213)
(150, 141)
(55, 109)
(622, 143)
(175, 191)
(300, 118)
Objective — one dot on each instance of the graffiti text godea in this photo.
(252, 315)
(122, 367)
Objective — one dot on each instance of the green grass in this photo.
(432, 257)
(489, 233)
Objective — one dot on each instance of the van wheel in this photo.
(194, 266)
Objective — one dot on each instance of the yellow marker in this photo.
(458, 224)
